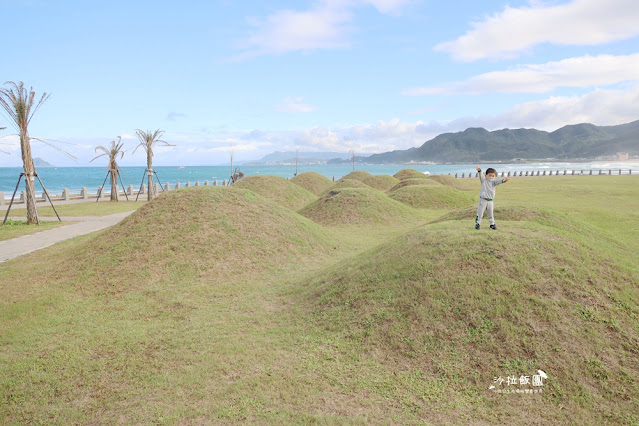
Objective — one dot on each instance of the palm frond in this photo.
(71, 156)
(112, 152)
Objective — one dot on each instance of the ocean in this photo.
(74, 178)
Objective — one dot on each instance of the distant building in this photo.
(620, 156)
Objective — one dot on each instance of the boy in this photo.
(486, 195)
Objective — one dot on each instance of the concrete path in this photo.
(10, 249)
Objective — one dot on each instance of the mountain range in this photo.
(580, 141)
(288, 157)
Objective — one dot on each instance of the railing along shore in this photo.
(105, 194)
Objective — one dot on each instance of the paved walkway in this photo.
(10, 249)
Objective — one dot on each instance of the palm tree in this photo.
(112, 153)
(147, 140)
(20, 106)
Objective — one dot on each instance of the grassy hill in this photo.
(409, 174)
(313, 182)
(447, 310)
(360, 175)
(348, 206)
(414, 181)
(277, 189)
(217, 305)
(381, 182)
(432, 197)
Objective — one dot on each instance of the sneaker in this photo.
(477, 226)
(493, 227)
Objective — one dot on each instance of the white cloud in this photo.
(289, 30)
(172, 116)
(599, 107)
(327, 25)
(294, 105)
(585, 71)
(388, 6)
(580, 22)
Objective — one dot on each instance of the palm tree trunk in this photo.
(149, 162)
(29, 170)
(114, 184)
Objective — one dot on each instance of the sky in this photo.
(254, 77)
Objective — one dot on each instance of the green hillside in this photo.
(216, 305)
(478, 144)
(277, 189)
(445, 310)
(313, 182)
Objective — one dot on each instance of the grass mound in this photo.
(345, 183)
(360, 175)
(448, 181)
(458, 308)
(425, 197)
(409, 174)
(381, 182)
(196, 232)
(414, 181)
(346, 206)
(313, 182)
(277, 189)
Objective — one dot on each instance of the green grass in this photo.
(381, 182)
(313, 182)
(18, 228)
(350, 206)
(431, 197)
(277, 189)
(102, 208)
(409, 174)
(216, 305)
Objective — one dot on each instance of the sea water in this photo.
(74, 178)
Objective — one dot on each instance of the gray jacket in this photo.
(488, 186)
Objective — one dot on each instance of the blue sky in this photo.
(325, 75)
